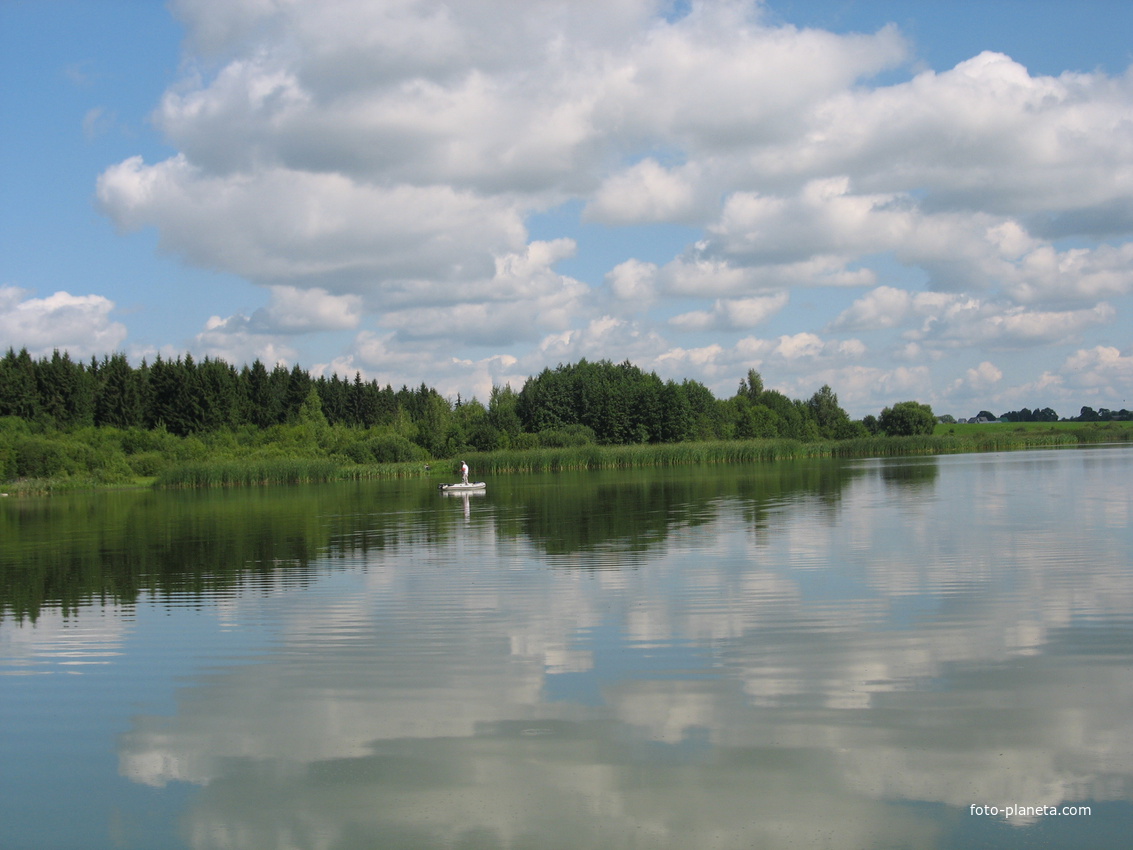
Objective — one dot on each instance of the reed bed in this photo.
(251, 472)
(372, 471)
(247, 473)
(637, 456)
(760, 451)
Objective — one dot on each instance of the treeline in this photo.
(185, 396)
(601, 402)
(1047, 414)
(1103, 414)
(124, 420)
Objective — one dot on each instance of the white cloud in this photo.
(266, 334)
(1018, 327)
(524, 299)
(296, 151)
(983, 376)
(277, 226)
(79, 324)
(950, 320)
(982, 136)
(376, 165)
(647, 192)
(633, 281)
(884, 307)
(1102, 367)
(1075, 275)
(236, 340)
(733, 313)
(295, 310)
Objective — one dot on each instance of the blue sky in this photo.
(899, 199)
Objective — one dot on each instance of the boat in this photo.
(461, 487)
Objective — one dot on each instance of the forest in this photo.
(187, 421)
(598, 402)
(58, 414)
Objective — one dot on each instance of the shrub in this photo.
(38, 457)
(907, 419)
(385, 448)
(147, 464)
(568, 436)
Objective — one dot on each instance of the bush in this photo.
(136, 440)
(38, 457)
(386, 448)
(114, 471)
(907, 419)
(569, 436)
(147, 464)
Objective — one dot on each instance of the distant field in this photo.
(1033, 427)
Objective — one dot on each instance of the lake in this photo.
(839, 653)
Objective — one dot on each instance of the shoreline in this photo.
(228, 471)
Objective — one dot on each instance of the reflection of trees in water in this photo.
(911, 474)
(636, 511)
(586, 513)
(766, 489)
(73, 550)
(68, 551)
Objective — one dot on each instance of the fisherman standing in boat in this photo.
(463, 472)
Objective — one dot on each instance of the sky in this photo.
(902, 200)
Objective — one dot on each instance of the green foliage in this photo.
(833, 422)
(147, 464)
(73, 424)
(1103, 414)
(567, 436)
(751, 388)
(503, 414)
(384, 448)
(620, 403)
(311, 411)
(39, 457)
(251, 472)
(1047, 414)
(19, 395)
(907, 418)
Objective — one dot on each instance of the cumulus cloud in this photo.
(525, 298)
(267, 333)
(988, 324)
(290, 169)
(80, 324)
(1102, 366)
(279, 226)
(235, 339)
(1074, 275)
(984, 375)
(983, 136)
(294, 310)
(733, 313)
(648, 192)
(375, 167)
(633, 280)
(946, 319)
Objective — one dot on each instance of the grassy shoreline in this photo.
(278, 470)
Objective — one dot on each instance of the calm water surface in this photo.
(847, 654)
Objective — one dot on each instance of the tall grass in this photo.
(192, 466)
(370, 471)
(252, 472)
(249, 472)
(759, 451)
